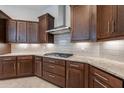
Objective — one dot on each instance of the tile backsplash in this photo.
(109, 49)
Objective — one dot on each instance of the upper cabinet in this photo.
(46, 22)
(32, 32)
(94, 23)
(22, 32)
(80, 22)
(11, 31)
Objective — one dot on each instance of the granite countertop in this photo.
(111, 66)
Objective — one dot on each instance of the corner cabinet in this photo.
(46, 22)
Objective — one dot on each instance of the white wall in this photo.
(23, 12)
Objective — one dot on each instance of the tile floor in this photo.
(27, 82)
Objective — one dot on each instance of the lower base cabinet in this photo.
(38, 66)
(74, 75)
(24, 65)
(9, 69)
(101, 79)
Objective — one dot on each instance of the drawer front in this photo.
(58, 80)
(56, 69)
(54, 61)
(75, 65)
(8, 59)
(107, 78)
(24, 57)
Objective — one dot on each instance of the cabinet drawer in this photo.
(107, 78)
(8, 59)
(56, 69)
(24, 57)
(71, 64)
(58, 80)
(54, 61)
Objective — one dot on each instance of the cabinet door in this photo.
(104, 21)
(9, 69)
(24, 67)
(38, 68)
(75, 75)
(32, 32)
(11, 31)
(21, 32)
(119, 21)
(42, 29)
(80, 22)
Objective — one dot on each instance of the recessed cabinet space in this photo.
(101, 79)
(46, 22)
(38, 66)
(2, 30)
(24, 65)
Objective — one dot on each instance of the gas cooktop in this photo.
(64, 55)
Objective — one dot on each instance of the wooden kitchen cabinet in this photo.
(32, 32)
(101, 79)
(8, 67)
(118, 30)
(38, 66)
(24, 65)
(21, 32)
(54, 71)
(105, 16)
(11, 34)
(74, 75)
(46, 22)
(80, 23)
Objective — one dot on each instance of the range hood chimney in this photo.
(61, 22)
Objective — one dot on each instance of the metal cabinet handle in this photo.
(18, 65)
(52, 76)
(51, 61)
(101, 76)
(72, 65)
(100, 83)
(51, 66)
(108, 26)
(14, 66)
(113, 26)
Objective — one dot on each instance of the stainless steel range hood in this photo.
(61, 23)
